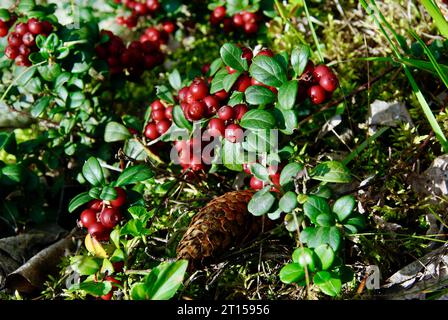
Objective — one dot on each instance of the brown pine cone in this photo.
(223, 223)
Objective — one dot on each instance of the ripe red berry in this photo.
(265, 52)
(198, 90)
(317, 94)
(28, 39)
(22, 61)
(234, 133)
(88, 218)
(256, 184)
(238, 20)
(239, 111)
(320, 71)
(243, 82)
(183, 93)
(11, 52)
(121, 198)
(3, 31)
(14, 40)
(225, 113)
(153, 5)
(152, 34)
(221, 95)
(98, 231)
(329, 82)
(197, 110)
(151, 131)
(47, 27)
(110, 217)
(158, 115)
(219, 13)
(169, 26)
(21, 28)
(169, 113)
(246, 168)
(251, 28)
(217, 127)
(212, 104)
(163, 126)
(140, 8)
(35, 26)
(249, 17)
(247, 54)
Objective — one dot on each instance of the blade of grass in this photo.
(313, 32)
(281, 11)
(364, 145)
(437, 16)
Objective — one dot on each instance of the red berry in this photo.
(11, 52)
(169, 26)
(320, 71)
(265, 52)
(247, 54)
(230, 70)
(88, 218)
(251, 28)
(225, 113)
(199, 90)
(217, 126)
(246, 168)
(3, 31)
(205, 68)
(219, 13)
(95, 204)
(21, 28)
(121, 198)
(221, 95)
(238, 20)
(275, 179)
(163, 126)
(153, 5)
(329, 82)
(169, 113)
(239, 111)
(158, 115)
(256, 184)
(35, 26)
(24, 50)
(243, 82)
(197, 110)
(249, 17)
(234, 133)
(212, 104)
(317, 94)
(47, 27)
(28, 39)
(153, 34)
(141, 9)
(22, 61)
(151, 131)
(110, 217)
(14, 40)
(183, 93)
(98, 231)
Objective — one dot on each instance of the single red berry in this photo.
(121, 198)
(169, 113)
(153, 34)
(275, 179)
(265, 52)
(317, 94)
(141, 9)
(198, 90)
(238, 20)
(251, 28)
(158, 115)
(239, 111)
(24, 50)
(163, 126)
(197, 110)
(28, 39)
(320, 71)
(14, 39)
(35, 26)
(110, 217)
(247, 54)
(256, 184)
(169, 26)
(11, 52)
(153, 5)
(246, 168)
(249, 17)
(183, 93)
(21, 28)
(217, 126)
(329, 82)
(151, 131)
(88, 218)
(225, 113)
(219, 13)
(243, 82)
(22, 61)
(3, 31)
(234, 133)
(212, 104)
(98, 231)
(47, 27)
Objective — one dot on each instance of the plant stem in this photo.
(313, 32)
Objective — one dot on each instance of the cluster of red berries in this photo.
(139, 9)
(246, 21)
(99, 218)
(274, 176)
(6, 25)
(22, 41)
(317, 83)
(136, 58)
(161, 120)
(158, 35)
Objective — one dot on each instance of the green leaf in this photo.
(40, 106)
(258, 119)
(92, 172)
(11, 174)
(26, 76)
(259, 95)
(108, 193)
(4, 14)
(95, 288)
(134, 174)
(343, 207)
(267, 71)
(316, 236)
(289, 172)
(135, 228)
(78, 201)
(236, 98)
(50, 71)
(325, 220)
(288, 202)
(95, 192)
(315, 206)
(8, 142)
(85, 265)
(331, 171)
(175, 80)
(327, 283)
(230, 80)
(115, 131)
(292, 272)
(179, 118)
(305, 258)
(326, 256)
(299, 58)
(357, 221)
(162, 283)
(261, 203)
(232, 155)
(292, 221)
(259, 171)
(217, 81)
(215, 66)
(164, 93)
(287, 94)
(232, 56)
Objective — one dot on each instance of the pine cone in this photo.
(223, 223)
